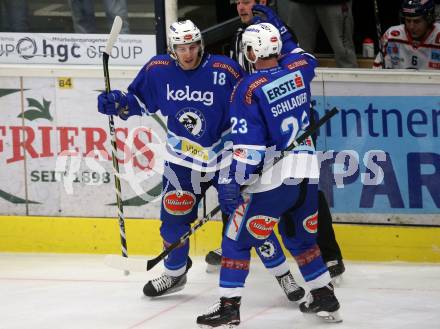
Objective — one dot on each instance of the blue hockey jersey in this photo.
(196, 103)
(269, 109)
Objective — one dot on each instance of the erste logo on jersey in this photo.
(207, 97)
(179, 202)
(434, 63)
(284, 86)
(435, 55)
(261, 227)
(193, 120)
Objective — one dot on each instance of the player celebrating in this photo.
(415, 43)
(192, 89)
(268, 110)
(252, 12)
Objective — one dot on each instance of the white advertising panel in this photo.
(64, 48)
(67, 152)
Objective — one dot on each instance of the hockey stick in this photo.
(139, 265)
(379, 33)
(116, 28)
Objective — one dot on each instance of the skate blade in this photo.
(212, 268)
(323, 316)
(230, 325)
(330, 317)
(337, 280)
(169, 292)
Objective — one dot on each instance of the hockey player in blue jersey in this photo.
(193, 90)
(268, 110)
(258, 11)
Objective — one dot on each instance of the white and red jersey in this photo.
(402, 52)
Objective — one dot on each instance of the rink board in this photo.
(101, 236)
(56, 146)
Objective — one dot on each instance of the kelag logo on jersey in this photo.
(206, 97)
(193, 120)
(284, 86)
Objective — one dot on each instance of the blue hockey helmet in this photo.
(415, 8)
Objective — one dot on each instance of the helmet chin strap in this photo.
(249, 60)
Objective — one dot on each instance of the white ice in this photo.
(45, 291)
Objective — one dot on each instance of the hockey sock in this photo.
(176, 260)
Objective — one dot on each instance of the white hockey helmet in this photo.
(181, 33)
(264, 39)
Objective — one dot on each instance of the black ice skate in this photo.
(213, 260)
(166, 284)
(323, 303)
(336, 268)
(292, 290)
(225, 313)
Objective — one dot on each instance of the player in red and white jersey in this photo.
(415, 44)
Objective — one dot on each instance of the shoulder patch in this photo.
(296, 64)
(254, 85)
(157, 62)
(395, 33)
(234, 90)
(226, 67)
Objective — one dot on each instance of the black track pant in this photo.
(326, 235)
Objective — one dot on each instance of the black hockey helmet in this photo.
(414, 8)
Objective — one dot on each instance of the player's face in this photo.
(244, 9)
(188, 55)
(417, 27)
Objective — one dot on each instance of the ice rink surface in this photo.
(45, 291)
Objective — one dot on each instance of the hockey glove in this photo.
(113, 103)
(229, 196)
(263, 14)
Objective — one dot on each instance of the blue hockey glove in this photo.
(229, 197)
(263, 14)
(113, 103)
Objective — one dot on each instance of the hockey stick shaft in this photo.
(379, 32)
(116, 28)
(311, 130)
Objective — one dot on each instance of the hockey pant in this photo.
(253, 223)
(182, 190)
